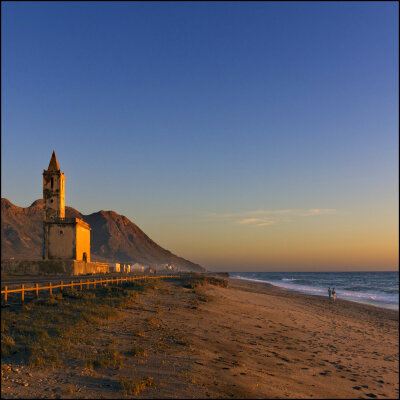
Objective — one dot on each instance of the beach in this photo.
(247, 340)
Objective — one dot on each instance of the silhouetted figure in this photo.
(334, 294)
(329, 293)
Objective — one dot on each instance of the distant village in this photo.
(127, 268)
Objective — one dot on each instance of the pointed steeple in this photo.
(53, 166)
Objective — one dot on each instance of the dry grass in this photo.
(139, 334)
(109, 358)
(135, 386)
(46, 331)
(137, 352)
(181, 341)
(192, 281)
(7, 345)
(153, 322)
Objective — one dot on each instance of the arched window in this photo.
(52, 182)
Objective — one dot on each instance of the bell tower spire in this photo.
(53, 165)
(53, 191)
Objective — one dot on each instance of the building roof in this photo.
(53, 166)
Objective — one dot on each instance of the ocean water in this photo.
(380, 289)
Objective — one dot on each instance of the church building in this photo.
(66, 241)
(64, 238)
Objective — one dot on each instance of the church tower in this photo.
(64, 238)
(53, 191)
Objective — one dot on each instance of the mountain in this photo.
(113, 237)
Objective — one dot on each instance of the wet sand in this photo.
(249, 340)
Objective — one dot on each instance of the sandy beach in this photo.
(249, 340)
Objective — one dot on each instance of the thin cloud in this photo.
(293, 212)
(255, 221)
(248, 221)
(256, 217)
(267, 223)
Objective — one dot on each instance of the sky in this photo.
(243, 136)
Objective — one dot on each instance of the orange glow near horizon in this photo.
(331, 242)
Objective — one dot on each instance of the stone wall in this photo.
(80, 268)
(51, 267)
(82, 241)
(61, 241)
(37, 267)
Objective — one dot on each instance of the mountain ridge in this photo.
(114, 238)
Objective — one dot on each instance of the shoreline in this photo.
(315, 295)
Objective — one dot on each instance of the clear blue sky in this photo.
(178, 114)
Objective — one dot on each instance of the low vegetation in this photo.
(137, 352)
(192, 281)
(135, 386)
(46, 331)
(139, 334)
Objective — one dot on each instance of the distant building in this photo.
(114, 267)
(137, 268)
(125, 268)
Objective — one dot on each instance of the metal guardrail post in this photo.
(5, 293)
(50, 289)
(37, 290)
(61, 286)
(72, 285)
(22, 293)
(80, 282)
(88, 283)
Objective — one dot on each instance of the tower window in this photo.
(51, 200)
(52, 182)
(61, 232)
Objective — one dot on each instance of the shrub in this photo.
(4, 327)
(109, 358)
(135, 386)
(137, 352)
(153, 322)
(139, 334)
(7, 345)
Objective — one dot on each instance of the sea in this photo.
(380, 289)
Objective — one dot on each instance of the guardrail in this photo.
(81, 284)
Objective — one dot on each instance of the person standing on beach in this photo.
(329, 293)
(334, 294)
